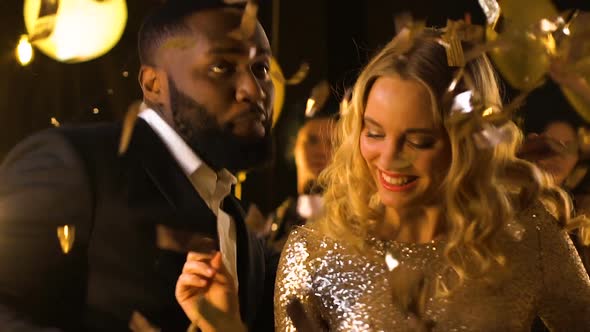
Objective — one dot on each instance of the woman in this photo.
(412, 185)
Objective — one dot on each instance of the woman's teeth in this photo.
(398, 180)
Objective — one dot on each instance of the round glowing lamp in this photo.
(75, 30)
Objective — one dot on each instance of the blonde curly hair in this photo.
(483, 189)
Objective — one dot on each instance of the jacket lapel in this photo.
(162, 170)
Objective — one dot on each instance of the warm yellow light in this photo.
(310, 107)
(24, 51)
(81, 29)
(55, 122)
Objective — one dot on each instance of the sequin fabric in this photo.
(343, 290)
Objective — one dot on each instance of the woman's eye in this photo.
(372, 134)
(422, 143)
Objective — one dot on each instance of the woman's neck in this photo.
(420, 225)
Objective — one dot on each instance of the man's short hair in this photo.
(168, 20)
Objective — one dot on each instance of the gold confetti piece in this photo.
(54, 122)
(279, 82)
(391, 262)
(299, 76)
(345, 103)
(238, 187)
(46, 19)
(462, 102)
(491, 9)
(95, 110)
(248, 24)
(489, 136)
(319, 96)
(128, 125)
(453, 48)
(66, 235)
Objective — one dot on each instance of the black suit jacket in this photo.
(74, 176)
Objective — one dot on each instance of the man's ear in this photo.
(154, 85)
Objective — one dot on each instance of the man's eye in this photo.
(261, 70)
(220, 68)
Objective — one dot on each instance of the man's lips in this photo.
(251, 121)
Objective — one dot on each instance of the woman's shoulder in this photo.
(310, 236)
(531, 224)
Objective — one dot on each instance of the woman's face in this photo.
(407, 153)
(560, 165)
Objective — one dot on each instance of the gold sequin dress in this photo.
(342, 290)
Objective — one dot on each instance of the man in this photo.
(134, 217)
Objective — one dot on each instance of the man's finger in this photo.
(198, 256)
(216, 261)
(198, 268)
(188, 280)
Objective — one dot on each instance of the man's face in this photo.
(219, 90)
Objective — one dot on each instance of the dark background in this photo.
(335, 37)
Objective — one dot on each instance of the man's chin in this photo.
(252, 155)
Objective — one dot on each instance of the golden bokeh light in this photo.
(75, 30)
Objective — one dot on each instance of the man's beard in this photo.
(215, 145)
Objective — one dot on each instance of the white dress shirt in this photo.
(212, 187)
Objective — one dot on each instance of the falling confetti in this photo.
(491, 9)
(66, 235)
(452, 44)
(279, 82)
(391, 262)
(248, 24)
(128, 125)
(54, 122)
(319, 96)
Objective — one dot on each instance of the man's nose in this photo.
(249, 89)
